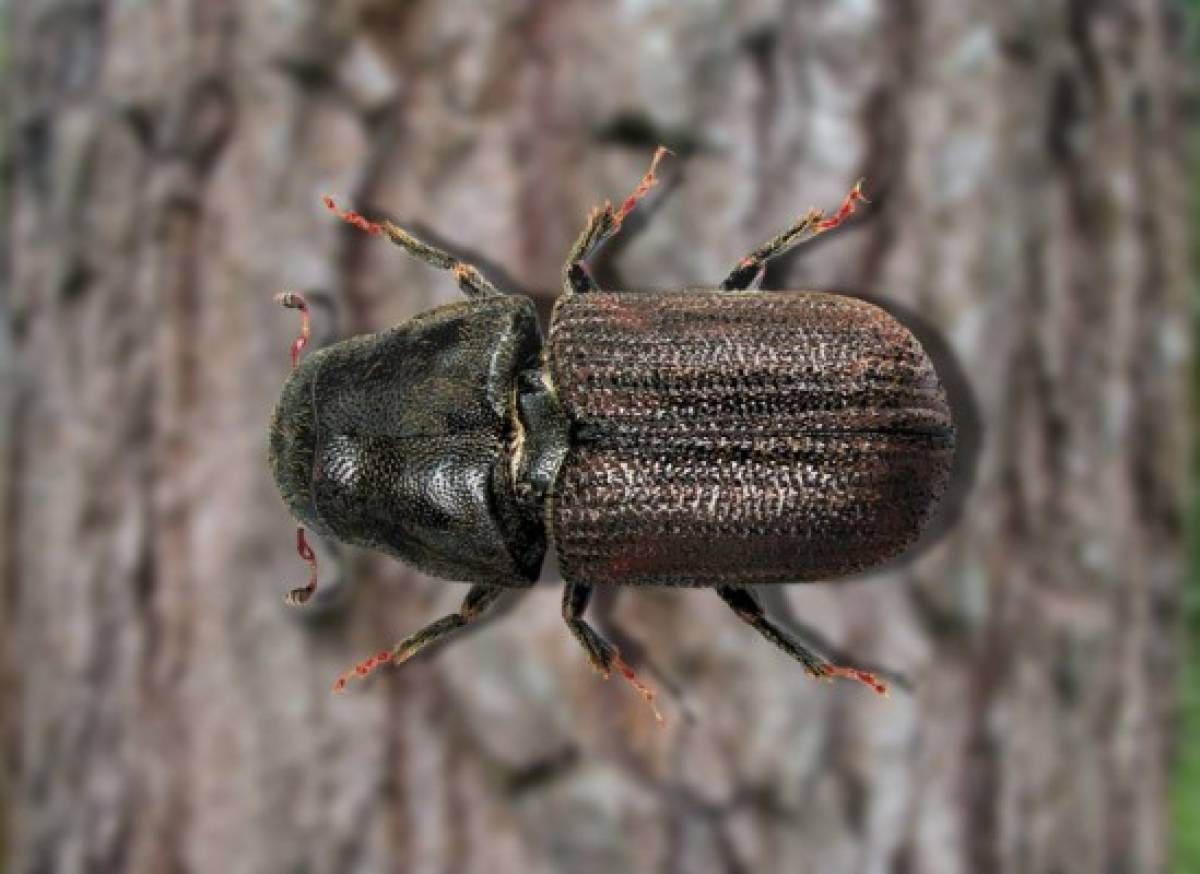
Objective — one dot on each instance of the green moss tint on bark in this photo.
(1186, 783)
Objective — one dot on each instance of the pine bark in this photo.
(165, 712)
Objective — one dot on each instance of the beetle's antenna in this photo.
(294, 301)
(301, 595)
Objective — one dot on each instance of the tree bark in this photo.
(166, 712)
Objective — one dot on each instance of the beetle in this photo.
(718, 438)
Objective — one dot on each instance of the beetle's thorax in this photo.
(401, 441)
(541, 438)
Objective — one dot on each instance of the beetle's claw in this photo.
(861, 676)
(844, 211)
(352, 218)
(362, 669)
(643, 690)
(648, 182)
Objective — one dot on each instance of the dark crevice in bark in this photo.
(760, 47)
(356, 314)
(539, 149)
(639, 131)
(1079, 32)
(32, 150)
(458, 796)
(686, 807)
(886, 154)
(981, 782)
(547, 769)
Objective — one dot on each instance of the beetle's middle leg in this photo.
(602, 223)
(470, 280)
(745, 604)
(602, 654)
(478, 599)
(811, 224)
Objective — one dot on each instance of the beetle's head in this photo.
(293, 444)
(401, 441)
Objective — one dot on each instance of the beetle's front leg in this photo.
(602, 223)
(470, 280)
(810, 225)
(477, 601)
(602, 654)
(750, 611)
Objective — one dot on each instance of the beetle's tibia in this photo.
(602, 223)
(601, 654)
(297, 597)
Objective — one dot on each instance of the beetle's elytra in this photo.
(705, 438)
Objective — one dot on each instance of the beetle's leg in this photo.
(470, 280)
(602, 223)
(812, 224)
(750, 611)
(576, 279)
(478, 599)
(602, 654)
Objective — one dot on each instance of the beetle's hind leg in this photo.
(602, 654)
(602, 223)
(470, 280)
(750, 611)
(478, 599)
(810, 225)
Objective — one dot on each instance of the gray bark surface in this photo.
(165, 712)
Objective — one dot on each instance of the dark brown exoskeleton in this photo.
(706, 438)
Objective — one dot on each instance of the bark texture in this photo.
(166, 713)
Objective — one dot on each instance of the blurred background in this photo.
(1033, 220)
